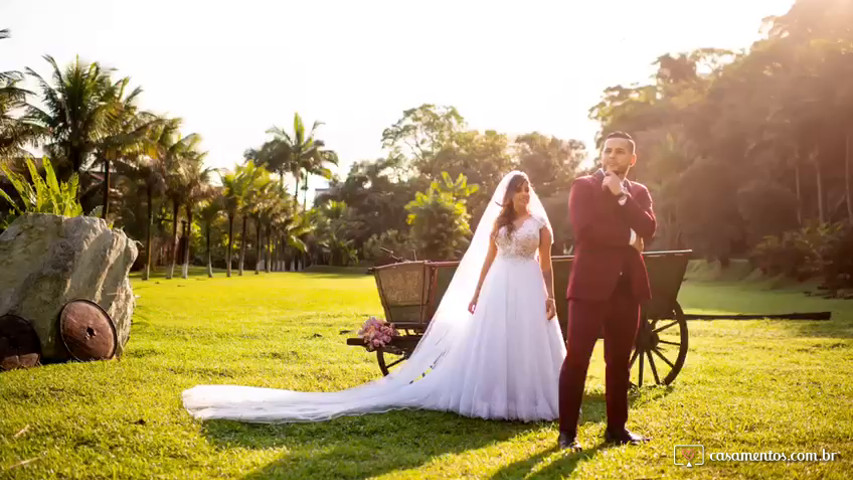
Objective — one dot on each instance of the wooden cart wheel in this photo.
(388, 360)
(87, 331)
(661, 348)
(19, 344)
(397, 352)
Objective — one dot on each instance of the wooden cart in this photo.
(411, 291)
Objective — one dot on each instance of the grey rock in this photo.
(47, 261)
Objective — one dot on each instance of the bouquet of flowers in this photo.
(377, 333)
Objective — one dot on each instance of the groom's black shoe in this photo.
(569, 441)
(623, 437)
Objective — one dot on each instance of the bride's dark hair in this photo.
(508, 215)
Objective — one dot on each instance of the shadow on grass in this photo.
(840, 326)
(560, 468)
(593, 412)
(376, 444)
(365, 446)
(757, 298)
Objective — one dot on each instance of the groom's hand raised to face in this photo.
(612, 182)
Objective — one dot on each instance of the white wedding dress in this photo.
(502, 362)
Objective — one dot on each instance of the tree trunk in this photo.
(296, 188)
(267, 251)
(258, 247)
(270, 251)
(287, 259)
(799, 193)
(270, 248)
(174, 253)
(147, 274)
(209, 256)
(106, 208)
(819, 178)
(305, 195)
(243, 246)
(189, 235)
(275, 253)
(847, 178)
(230, 245)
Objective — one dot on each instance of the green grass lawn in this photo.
(747, 386)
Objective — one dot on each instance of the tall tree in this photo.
(421, 133)
(549, 162)
(14, 133)
(209, 210)
(253, 183)
(196, 183)
(317, 164)
(232, 198)
(299, 151)
(175, 151)
(75, 110)
(148, 174)
(125, 133)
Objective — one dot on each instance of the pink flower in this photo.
(377, 333)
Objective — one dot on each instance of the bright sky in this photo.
(234, 69)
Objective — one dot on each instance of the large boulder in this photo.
(47, 261)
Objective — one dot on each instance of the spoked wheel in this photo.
(389, 360)
(660, 350)
(401, 348)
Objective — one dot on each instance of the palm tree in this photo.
(292, 231)
(264, 208)
(76, 111)
(272, 207)
(300, 152)
(275, 156)
(208, 213)
(150, 174)
(333, 225)
(317, 165)
(126, 132)
(13, 132)
(175, 151)
(196, 183)
(253, 182)
(232, 198)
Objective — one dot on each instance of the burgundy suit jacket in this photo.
(602, 230)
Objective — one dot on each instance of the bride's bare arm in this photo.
(490, 257)
(547, 273)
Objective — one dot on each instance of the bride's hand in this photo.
(473, 305)
(551, 308)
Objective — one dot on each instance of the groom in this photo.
(611, 216)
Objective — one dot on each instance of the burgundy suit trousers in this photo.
(619, 319)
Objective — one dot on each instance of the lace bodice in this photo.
(523, 242)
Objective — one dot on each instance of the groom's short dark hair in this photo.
(621, 134)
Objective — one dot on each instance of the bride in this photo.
(500, 359)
